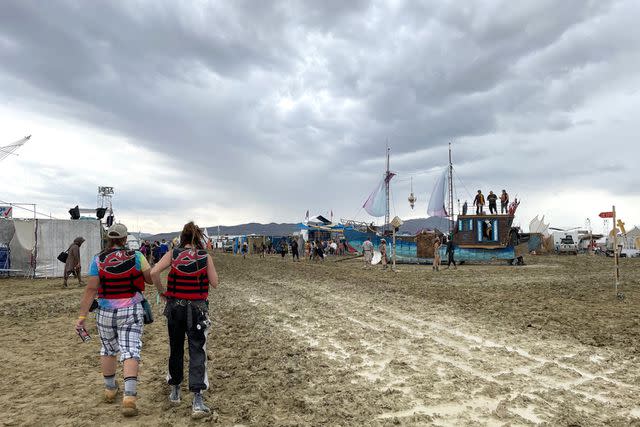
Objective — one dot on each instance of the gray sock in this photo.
(110, 381)
(130, 385)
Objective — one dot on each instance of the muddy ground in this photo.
(334, 344)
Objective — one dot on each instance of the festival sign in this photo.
(606, 215)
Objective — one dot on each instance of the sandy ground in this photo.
(334, 344)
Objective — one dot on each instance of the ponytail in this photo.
(191, 235)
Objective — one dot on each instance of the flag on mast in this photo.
(376, 204)
(438, 196)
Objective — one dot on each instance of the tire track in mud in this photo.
(447, 373)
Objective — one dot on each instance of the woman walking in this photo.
(118, 276)
(383, 253)
(436, 254)
(192, 273)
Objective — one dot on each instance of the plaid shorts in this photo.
(120, 330)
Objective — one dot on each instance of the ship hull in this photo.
(407, 251)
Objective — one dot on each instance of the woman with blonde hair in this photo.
(436, 254)
(192, 273)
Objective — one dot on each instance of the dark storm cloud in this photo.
(278, 102)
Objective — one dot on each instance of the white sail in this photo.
(534, 225)
(8, 150)
(376, 204)
(438, 196)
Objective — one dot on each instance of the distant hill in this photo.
(411, 226)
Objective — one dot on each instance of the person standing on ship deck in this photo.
(493, 199)
(504, 202)
(478, 202)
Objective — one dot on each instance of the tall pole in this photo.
(394, 249)
(386, 188)
(450, 193)
(615, 252)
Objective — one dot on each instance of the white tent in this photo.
(34, 244)
(133, 243)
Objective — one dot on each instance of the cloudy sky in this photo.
(229, 112)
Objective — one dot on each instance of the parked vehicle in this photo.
(567, 245)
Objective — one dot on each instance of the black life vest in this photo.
(119, 277)
(188, 277)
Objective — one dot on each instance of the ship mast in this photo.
(386, 189)
(450, 208)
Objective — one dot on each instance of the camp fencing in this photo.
(30, 247)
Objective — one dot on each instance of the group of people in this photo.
(317, 250)
(437, 261)
(313, 250)
(367, 253)
(115, 289)
(479, 202)
(153, 252)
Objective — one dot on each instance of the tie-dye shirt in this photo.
(141, 265)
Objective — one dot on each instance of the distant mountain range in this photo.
(410, 226)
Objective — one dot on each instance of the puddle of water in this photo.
(527, 413)
(447, 410)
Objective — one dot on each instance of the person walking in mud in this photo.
(478, 202)
(450, 252)
(72, 265)
(383, 252)
(244, 250)
(367, 252)
(118, 277)
(436, 254)
(263, 250)
(307, 250)
(319, 251)
(294, 250)
(191, 275)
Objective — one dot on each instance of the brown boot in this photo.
(129, 408)
(110, 394)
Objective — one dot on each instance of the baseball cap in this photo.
(117, 231)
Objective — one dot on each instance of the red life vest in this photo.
(119, 277)
(188, 277)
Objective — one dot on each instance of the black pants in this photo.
(493, 208)
(451, 260)
(295, 254)
(504, 207)
(183, 320)
(479, 209)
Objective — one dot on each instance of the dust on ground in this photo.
(334, 344)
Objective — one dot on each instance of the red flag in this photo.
(606, 215)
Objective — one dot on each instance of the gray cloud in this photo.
(289, 104)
